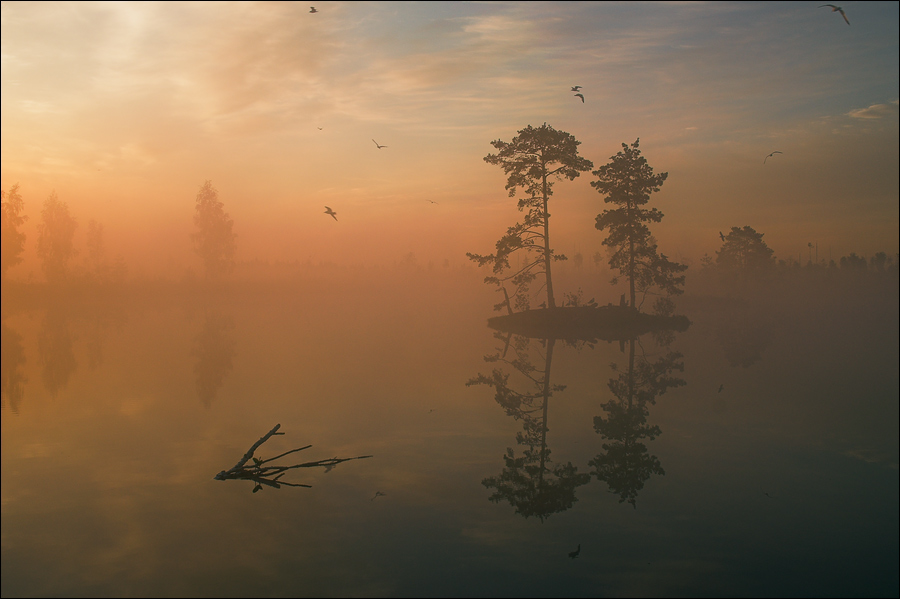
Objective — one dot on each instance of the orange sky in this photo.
(125, 109)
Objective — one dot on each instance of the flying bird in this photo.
(721, 387)
(770, 155)
(576, 88)
(432, 201)
(837, 9)
(331, 212)
(580, 96)
(312, 9)
(574, 554)
(377, 495)
(377, 145)
(722, 236)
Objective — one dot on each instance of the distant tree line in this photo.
(214, 239)
(744, 254)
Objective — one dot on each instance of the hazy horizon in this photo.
(126, 109)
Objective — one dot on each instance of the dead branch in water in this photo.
(270, 475)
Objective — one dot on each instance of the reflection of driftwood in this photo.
(269, 475)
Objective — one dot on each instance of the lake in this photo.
(754, 454)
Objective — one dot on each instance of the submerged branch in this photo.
(270, 475)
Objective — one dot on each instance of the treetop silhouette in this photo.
(214, 240)
(627, 182)
(13, 240)
(744, 251)
(533, 161)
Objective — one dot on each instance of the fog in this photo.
(457, 299)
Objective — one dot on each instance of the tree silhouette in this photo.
(55, 239)
(853, 263)
(745, 252)
(13, 240)
(627, 182)
(214, 240)
(533, 160)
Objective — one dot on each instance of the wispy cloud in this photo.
(875, 111)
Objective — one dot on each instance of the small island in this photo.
(533, 162)
(586, 323)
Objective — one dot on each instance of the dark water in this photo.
(754, 454)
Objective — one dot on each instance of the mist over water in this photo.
(772, 469)
(248, 350)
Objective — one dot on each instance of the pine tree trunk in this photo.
(550, 301)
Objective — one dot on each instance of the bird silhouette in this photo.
(312, 9)
(837, 9)
(377, 495)
(580, 96)
(722, 236)
(574, 554)
(721, 387)
(576, 88)
(432, 201)
(770, 155)
(331, 212)
(377, 145)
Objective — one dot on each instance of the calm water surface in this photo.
(753, 454)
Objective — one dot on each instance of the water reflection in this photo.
(529, 482)
(743, 336)
(56, 353)
(12, 363)
(214, 352)
(625, 464)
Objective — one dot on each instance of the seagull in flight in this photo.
(312, 9)
(377, 495)
(580, 96)
(432, 201)
(722, 236)
(837, 9)
(574, 554)
(377, 145)
(770, 155)
(576, 88)
(331, 212)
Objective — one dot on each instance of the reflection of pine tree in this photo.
(12, 359)
(530, 482)
(55, 352)
(626, 464)
(214, 350)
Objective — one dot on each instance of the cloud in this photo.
(875, 111)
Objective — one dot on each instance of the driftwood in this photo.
(269, 476)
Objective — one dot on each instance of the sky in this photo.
(125, 109)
